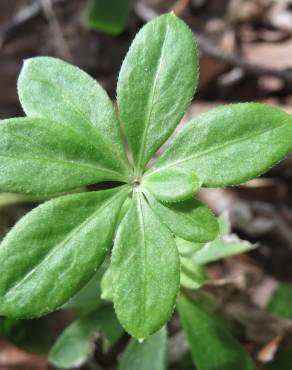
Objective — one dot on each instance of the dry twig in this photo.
(180, 6)
(60, 43)
(25, 15)
(235, 61)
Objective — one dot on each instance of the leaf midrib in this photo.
(65, 163)
(62, 243)
(142, 223)
(79, 136)
(152, 96)
(107, 144)
(213, 149)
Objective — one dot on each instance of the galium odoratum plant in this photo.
(71, 138)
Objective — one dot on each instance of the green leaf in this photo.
(190, 219)
(219, 248)
(87, 298)
(172, 185)
(124, 209)
(192, 275)
(44, 157)
(211, 345)
(223, 246)
(108, 16)
(55, 90)
(107, 285)
(76, 344)
(146, 271)
(187, 248)
(230, 144)
(56, 248)
(156, 84)
(281, 302)
(150, 354)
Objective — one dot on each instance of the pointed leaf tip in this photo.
(146, 266)
(151, 354)
(157, 81)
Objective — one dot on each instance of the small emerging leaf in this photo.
(223, 246)
(172, 185)
(187, 248)
(150, 354)
(192, 275)
(145, 266)
(76, 344)
(230, 144)
(57, 248)
(190, 219)
(156, 84)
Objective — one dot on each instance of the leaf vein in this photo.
(142, 222)
(152, 97)
(55, 248)
(107, 143)
(66, 163)
(213, 149)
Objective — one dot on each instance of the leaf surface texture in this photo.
(57, 247)
(145, 267)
